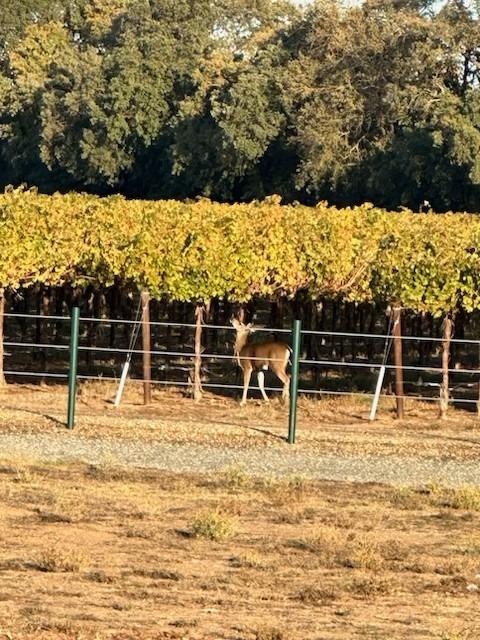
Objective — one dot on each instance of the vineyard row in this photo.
(202, 250)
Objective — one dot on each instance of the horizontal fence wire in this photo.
(226, 356)
(186, 325)
(223, 356)
(257, 329)
(36, 374)
(381, 336)
(214, 385)
(372, 365)
(34, 316)
(36, 345)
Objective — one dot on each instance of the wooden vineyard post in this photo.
(444, 394)
(197, 382)
(478, 399)
(146, 348)
(398, 360)
(2, 318)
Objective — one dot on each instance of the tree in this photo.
(239, 99)
(16, 16)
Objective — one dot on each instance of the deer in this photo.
(260, 356)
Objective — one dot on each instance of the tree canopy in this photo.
(239, 99)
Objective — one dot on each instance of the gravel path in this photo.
(279, 461)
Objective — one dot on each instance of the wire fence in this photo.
(180, 361)
(258, 329)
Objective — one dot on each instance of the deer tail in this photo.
(289, 352)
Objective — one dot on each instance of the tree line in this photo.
(235, 100)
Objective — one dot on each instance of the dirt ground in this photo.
(97, 552)
(331, 425)
(101, 552)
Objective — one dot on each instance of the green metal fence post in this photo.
(292, 415)
(72, 372)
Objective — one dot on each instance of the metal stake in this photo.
(72, 372)
(292, 415)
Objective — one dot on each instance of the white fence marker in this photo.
(121, 386)
(376, 397)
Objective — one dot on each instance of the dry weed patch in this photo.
(250, 560)
(57, 559)
(460, 634)
(362, 552)
(271, 633)
(317, 596)
(145, 534)
(285, 493)
(304, 548)
(470, 545)
(236, 477)
(466, 497)
(294, 514)
(184, 623)
(100, 576)
(214, 525)
(403, 497)
(157, 574)
(368, 586)
(344, 547)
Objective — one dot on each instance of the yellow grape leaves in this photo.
(200, 250)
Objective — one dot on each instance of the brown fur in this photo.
(251, 357)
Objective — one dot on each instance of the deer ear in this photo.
(250, 327)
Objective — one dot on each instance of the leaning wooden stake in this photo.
(478, 401)
(2, 316)
(444, 394)
(146, 347)
(397, 352)
(197, 382)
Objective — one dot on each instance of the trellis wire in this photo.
(36, 316)
(36, 374)
(189, 355)
(225, 356)
(179, 383)
(259, 329)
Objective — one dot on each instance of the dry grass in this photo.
(270, 559)
(465, 498)
(271, 633)
(125, 563)
(213, 525)
(58, 558)
(336, 425)
(343, 547)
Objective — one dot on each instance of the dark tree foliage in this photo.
(240, 99)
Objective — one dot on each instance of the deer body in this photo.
(258, 357)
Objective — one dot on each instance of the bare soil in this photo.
(100, 552)
(103, 552)
(329, 425)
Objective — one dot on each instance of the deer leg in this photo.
(285, 378)
(261, 384)
(247, 374)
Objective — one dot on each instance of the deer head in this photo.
(243, 331)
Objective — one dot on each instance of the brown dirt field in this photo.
(338, 425)
(94, 553)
